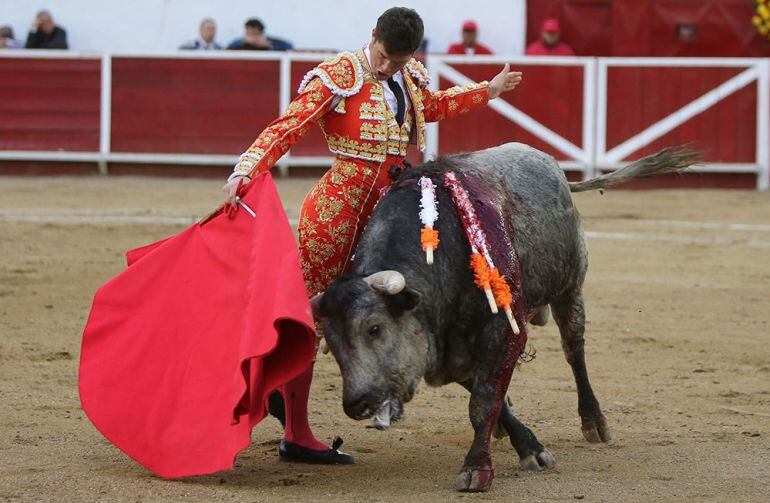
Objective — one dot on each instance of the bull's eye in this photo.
(374, 330)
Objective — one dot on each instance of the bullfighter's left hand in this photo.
(504, 81)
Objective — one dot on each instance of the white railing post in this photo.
(431, 129)
(589, 118)
(600, 143)
(284, 97)
(763, 125)
(105, 112)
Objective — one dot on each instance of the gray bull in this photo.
(394, 320)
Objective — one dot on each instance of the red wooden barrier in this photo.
(727, 130)
(49, 104)
(551, 95)
(213, 106)
(198, 106)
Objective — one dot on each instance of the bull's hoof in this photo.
(595, 429)
(475, 479)
(538, 461)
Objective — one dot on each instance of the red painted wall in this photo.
(648, 27)
(48, 104)
(220, 106)
(191, 106)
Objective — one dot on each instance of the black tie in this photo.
(393, 85)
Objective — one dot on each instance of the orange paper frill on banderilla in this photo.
(481, 273)
(500, 289)
(182, 348)
(429, 238)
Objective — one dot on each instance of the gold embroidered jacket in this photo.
(343, 97)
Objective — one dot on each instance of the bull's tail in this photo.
(668, 160)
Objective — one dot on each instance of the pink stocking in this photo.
(295, 394)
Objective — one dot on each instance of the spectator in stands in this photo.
(7, 41)
(44, 34)
(206, 42)
(550, 43)
(469, 45)
(254, 39)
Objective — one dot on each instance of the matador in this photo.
(370, 104)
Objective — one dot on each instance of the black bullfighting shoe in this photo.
(289, 451)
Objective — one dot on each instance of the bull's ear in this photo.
(406, 300)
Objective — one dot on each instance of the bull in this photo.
(393, 320)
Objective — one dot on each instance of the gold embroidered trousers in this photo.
(334, 214)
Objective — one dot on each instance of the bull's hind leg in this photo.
(532, 455)
(569, 315)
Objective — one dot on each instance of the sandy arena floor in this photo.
(678, 348)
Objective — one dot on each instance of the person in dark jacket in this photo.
(254, 39)
(44, 33)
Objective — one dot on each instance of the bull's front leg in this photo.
(484, 408)
(490, 384)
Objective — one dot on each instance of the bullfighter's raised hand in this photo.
(504, 81)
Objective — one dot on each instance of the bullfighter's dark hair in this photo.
(400, 30)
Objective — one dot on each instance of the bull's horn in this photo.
(387, 282)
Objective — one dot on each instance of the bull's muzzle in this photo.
(362, 407)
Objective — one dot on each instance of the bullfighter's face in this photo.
(385, 64)
(371, 328)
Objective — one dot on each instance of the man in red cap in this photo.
(550, 43)
(469, 45)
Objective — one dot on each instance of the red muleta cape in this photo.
(181, 349)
